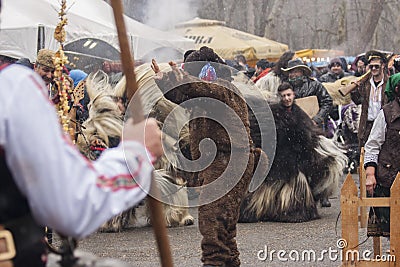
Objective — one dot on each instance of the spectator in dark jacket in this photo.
(336, 71)
(304, 85)
(361, 66)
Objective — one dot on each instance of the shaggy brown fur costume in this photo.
(306, 167)
(218, 219)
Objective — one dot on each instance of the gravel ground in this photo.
(137, 246)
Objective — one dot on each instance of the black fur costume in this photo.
(306, 167)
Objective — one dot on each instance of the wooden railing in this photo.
(351, 201)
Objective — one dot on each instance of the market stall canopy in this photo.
(93, 47)
(310, 55)
(228, 42)
(29, 25)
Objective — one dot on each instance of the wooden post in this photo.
(349, 207)
(377, 245)
(350, 202)
(363, 192)
(394, 219)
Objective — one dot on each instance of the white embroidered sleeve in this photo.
(376, 139)
(65, 191)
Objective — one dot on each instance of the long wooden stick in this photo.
(157, 217)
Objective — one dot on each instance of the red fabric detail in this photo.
(104, 178)
(65, 70)
(3, 66)
(110, 182)
(97, 148)
(262, 74)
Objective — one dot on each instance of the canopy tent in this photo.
(228, 42)
(93, 47)
(27, 26)
(310, 55)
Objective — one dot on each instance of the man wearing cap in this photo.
(370, 94)
(303, 85)
(44, 65)
(335, 73)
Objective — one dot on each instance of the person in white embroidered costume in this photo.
(64, 190)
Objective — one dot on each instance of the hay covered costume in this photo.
(306, 167)
(217, 219)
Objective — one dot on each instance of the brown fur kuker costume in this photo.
(306, 167)
(218, 219)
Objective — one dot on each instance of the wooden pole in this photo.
(394, 219)
(363, 191)
(349, 208)
(157, 217)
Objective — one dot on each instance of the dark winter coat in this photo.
(389, 156)
(361, 97)
(331, 77)
(313, 87)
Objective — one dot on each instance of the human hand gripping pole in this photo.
(156, 211)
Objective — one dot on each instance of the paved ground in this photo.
(137, 245)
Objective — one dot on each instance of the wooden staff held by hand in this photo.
(157, 217)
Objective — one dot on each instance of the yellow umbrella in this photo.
(228, 42)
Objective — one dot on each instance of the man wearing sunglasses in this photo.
(370, 94)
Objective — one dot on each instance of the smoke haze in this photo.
(164, 15)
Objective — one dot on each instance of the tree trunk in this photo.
(270, 26)
(230, 16)
(342, 27)
(250, 17)
(261, 12)
(371, 22)
(220, 10)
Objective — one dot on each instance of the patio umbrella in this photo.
(228, 42)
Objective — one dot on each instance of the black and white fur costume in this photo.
(306, 167)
